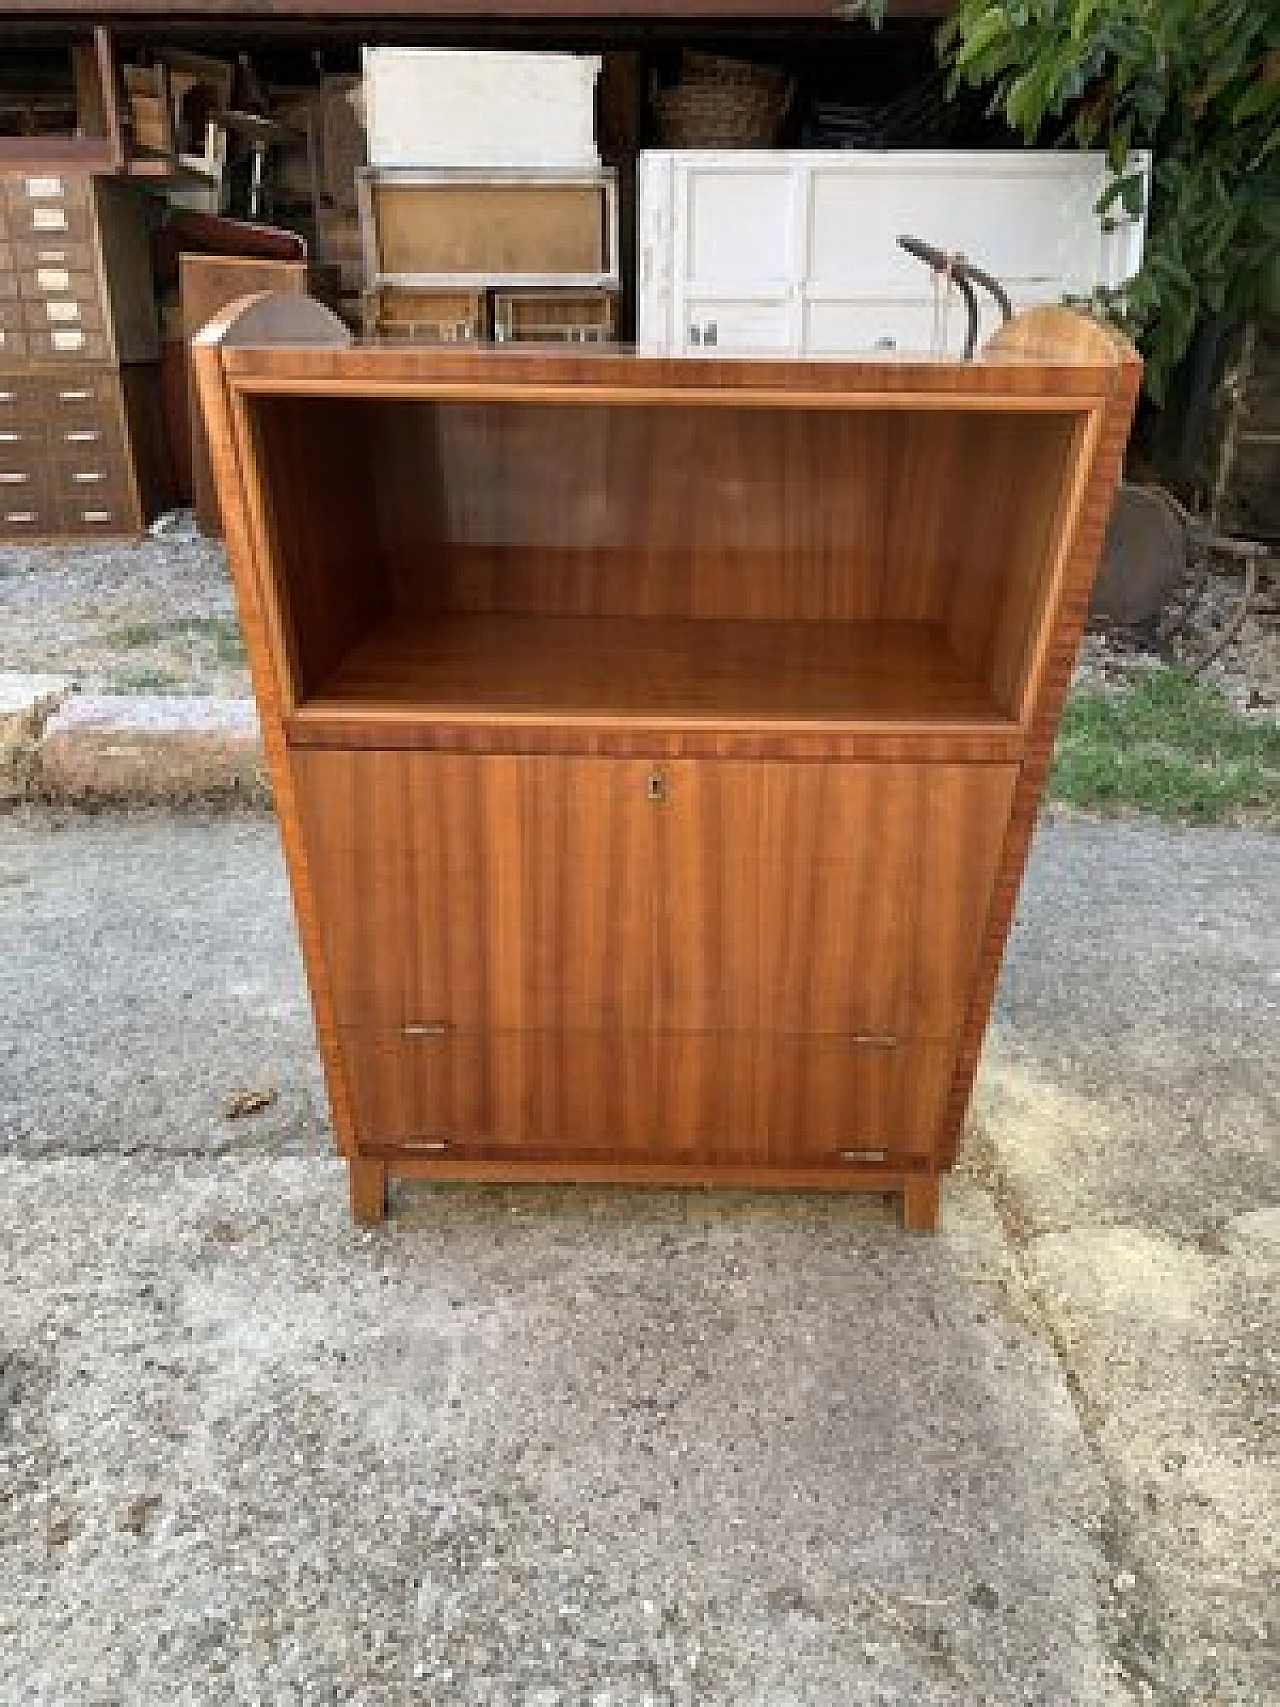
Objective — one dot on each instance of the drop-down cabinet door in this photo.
(817, 930)
(746, 962)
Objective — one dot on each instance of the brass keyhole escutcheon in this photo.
(657, 789)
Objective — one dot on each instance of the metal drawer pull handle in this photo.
(425, 1030)
(9, 478)
(657, 787)
(49, 218)
(53, 278)
(75, 396)
(862, 1155)
(40, 189)
(95, 515)
(10, 438)
(88, 476)
(8, 396)
(875, 1039)
(20, 516)
(425, 1144)
(82, 436)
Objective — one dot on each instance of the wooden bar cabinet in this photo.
(657, 741)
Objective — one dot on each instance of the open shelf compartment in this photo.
(641, 564)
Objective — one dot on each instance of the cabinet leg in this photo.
(368, 1190)
(920, 1203)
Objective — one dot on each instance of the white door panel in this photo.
(717, 324)
(798, 250)
(739, 227)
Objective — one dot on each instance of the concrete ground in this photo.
(588, 1447)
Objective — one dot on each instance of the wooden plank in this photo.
(360, 13)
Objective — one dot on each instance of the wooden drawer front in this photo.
(844, 899)
(55, 282)
(22, 433)
(73, 397)
(69, 343)
(58, 313)
(405, 315)
(53, 252)
(23, 456)
(566, 316)
(51, 222)
(86, 514)
(765, 1101)
(29, 517)
(23, 484)
(35, 189)
(20, 397)
(86, 477)
(87, 433)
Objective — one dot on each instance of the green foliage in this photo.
(1197, 82)
(221, 634)
(1169, 745)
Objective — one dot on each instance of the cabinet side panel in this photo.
(1081, 555)
(310, 495)
(247, 574)
(125, 257)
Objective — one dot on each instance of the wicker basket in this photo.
(722, 103)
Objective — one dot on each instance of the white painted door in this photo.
(753, 252)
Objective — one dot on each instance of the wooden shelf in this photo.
(651, 671)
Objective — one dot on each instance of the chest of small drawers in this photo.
(81, 453)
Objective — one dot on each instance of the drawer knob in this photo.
(657, 787)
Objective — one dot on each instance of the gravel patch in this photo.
(134, 617)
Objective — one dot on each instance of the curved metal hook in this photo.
(939, 261)
(966, 275)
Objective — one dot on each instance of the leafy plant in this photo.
(1197, 82)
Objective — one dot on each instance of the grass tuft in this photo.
(1171, 746)
(219, 633)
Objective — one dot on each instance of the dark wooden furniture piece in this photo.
(657, 742)
(94, 138)
(207, 283)
(81, 442)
